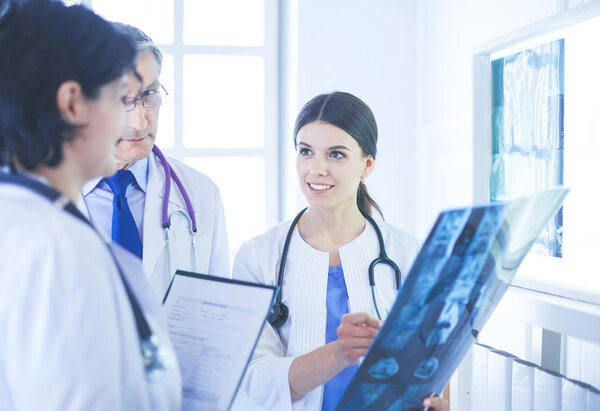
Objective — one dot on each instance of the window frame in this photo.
(270, 150)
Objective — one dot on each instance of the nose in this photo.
(136, 118)
(318, 167)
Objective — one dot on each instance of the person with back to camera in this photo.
(80, 328)
(325, 318)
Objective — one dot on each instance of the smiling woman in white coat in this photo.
(325, 319)
(80, 328)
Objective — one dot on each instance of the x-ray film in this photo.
(466, 264)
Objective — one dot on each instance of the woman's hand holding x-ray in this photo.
(355, 335)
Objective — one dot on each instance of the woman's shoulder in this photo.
(273, 235)
(257, 257)
(398, 235)
(29, 217)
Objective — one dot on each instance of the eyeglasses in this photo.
(150, 99)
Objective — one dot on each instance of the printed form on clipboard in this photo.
(214, 324)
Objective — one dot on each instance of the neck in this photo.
(123, 166)
(343, 222)
(67, 178)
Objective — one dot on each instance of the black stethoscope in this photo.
(149, 344)
(279, 311)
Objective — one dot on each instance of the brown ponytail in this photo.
(365, 202)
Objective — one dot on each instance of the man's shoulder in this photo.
(189, 175)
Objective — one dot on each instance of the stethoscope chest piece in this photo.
(156, 357)
(278, 315)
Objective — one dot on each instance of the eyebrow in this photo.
(329, 148)
(154, 84)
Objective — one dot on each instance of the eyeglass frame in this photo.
(131, 106)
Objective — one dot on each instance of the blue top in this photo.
(337, 306)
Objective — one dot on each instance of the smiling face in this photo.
(139, 134)
(330, 165)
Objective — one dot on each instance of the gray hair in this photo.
(142, 41)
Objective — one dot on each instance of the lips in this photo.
(134, 139)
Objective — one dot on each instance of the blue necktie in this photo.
(337, 306)
(124, 229)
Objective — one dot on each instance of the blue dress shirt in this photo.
(99, 199)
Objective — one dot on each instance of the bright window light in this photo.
(242, 184)
(224, 22)
(223, 101)
(154, 17)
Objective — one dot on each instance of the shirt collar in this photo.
(139, 169)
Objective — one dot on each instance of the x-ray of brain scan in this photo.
(459, 276)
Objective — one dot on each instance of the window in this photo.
(220, 69)
(569, 266)
(527, 130)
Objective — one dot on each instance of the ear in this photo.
(369, 166)
(70, 102)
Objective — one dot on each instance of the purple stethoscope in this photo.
(166, 217)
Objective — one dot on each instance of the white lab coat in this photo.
(304, 292)
(212, 256)
(67, 331)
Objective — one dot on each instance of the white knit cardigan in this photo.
(304, 292)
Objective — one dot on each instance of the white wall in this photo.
(411, 62)
(366, 48)
(448, 31)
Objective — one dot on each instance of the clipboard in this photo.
(214, 324)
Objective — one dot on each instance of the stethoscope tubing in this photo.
(278, 321)
(284, 253)
(166, 217)
(171, 175)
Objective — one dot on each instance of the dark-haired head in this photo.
(352, 115)
(44, 44)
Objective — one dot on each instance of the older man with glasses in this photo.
(129, 206)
